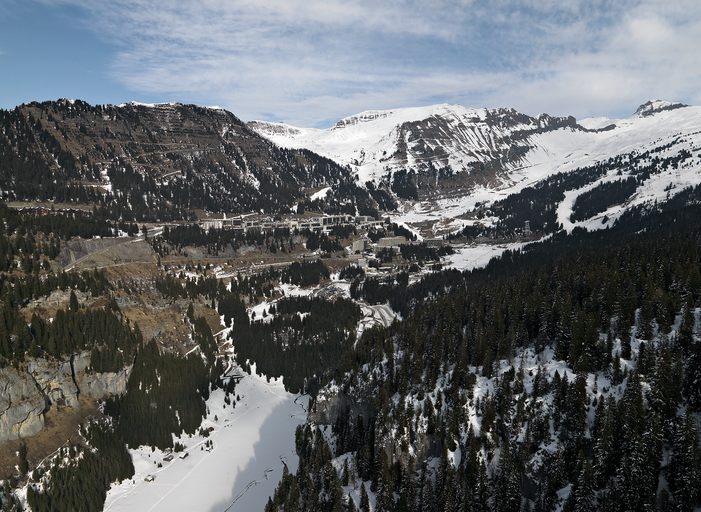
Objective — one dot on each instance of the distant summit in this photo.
(654, 106)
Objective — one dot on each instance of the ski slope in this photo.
(252, 442)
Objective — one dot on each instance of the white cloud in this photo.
(306, 61)
(645, 56)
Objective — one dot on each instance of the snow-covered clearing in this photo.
(657, 188)
(376, 315)
(252, 442)
(321, 194)
(475, 256)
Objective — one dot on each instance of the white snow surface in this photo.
(470, 257)
(596, 123)
(321, 194)
(366, 140)
(251, 441)
(375, 315)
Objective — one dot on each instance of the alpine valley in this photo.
(428, 309)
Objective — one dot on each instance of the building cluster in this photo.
(321, 224)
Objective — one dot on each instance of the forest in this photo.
(568, 375)
(58, 151)
(602, 197)
(79, 478)
(538, 204)
(306, 341)
(564, 375)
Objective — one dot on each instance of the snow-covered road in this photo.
(252, 442)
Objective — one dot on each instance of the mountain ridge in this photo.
(443, 151)
(161, 160)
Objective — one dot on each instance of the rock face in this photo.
(99, 385)
(447, 149)
(27, 393)
(22, 405)
(55, 381)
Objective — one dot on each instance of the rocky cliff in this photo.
(22, 405)
(27, 393)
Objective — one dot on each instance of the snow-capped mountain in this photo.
(449, 160)
(438, 138)
(455, 150)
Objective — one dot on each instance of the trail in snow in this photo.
(375, 315)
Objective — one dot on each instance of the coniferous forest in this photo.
(563, 376)
(568, 376)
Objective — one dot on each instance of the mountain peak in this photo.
(654, 106)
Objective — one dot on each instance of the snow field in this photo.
(252, 443)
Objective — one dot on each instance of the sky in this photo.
(311, 62)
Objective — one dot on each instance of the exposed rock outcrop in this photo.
(22, 405)
(99, 385)
(55, 380)
(28, 392)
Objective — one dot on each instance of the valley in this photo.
(444, 308)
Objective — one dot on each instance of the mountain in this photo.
(450, 151)
(462, 146)
(160, 161)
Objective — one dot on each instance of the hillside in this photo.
(156, 364)
(563, 377)
(158, 162)
(444, 139)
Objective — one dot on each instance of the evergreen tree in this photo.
(23, 462)
(73, 302)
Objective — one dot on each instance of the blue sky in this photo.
(310, 62)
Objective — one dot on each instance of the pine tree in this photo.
(685, 470)
(507, 485)
(73, 302)
(23, 462)
(585, 500)
(691, 347)
(364, 500)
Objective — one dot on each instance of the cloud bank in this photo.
(310, 61)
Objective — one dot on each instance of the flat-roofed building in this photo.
(359, 245)
(392, 241)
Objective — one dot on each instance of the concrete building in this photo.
(212, 223)
(391, 241)
(323, 223)
(434, 242)
(359, 245)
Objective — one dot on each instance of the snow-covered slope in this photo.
(464, 157)
(251, 444)
(379, 141)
